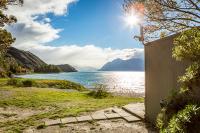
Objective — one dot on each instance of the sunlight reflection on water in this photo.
(116, 81)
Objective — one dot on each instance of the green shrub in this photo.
(14, 82)
(20, 82)
(180, 121)
(59, 84)
(28, 83)
(3, 74)
(182, 112)
(100, 92)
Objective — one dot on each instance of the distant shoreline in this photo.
(119, 82)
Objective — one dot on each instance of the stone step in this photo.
(52, 122)
(121, 112)
(98, 116)
(69, 120)
(84, 118)
(112, 115)
(135, 109)
(130, 112)
(131, 118)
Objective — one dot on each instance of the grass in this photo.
(60, 103)
(43, 83)
(100, 91)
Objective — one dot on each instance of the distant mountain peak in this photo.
(132, 64)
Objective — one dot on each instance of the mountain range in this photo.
(30, 61)
(33, 63)
(133, 64)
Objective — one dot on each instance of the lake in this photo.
(115, 81)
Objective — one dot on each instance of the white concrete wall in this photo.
(161, 73)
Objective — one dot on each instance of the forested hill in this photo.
(18, 61)
(25, 58)
(67, 68)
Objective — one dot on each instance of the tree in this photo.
(181, 112)
(6, 38)
(170, 16)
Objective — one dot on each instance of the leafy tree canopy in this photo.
(6, 38)
(171, 16)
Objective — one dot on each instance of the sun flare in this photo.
(131, 20)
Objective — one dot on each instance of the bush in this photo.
(28, 83)
(100, 92)
(182, 113)
(20, 83)
(14, 82)
(179, 123)
(59, 84)
(3, 74)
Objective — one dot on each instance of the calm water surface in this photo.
(116, 81)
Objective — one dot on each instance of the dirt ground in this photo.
(104, 126)
(14, 113)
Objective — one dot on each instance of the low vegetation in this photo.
(100, 91)
(59, 84)
(50, 102)
(182, 111)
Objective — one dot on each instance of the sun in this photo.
(131, 20)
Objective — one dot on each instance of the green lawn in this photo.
(60, 102)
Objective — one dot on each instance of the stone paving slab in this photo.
(117, 110)
(68, 120)
(124, 114)
(130, 112)
(52, 122)
(135, 109)
(112, 115)
(98, 116)
(131, 118)
(84, 118)
(121, 112)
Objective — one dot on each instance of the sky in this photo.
(82, 33)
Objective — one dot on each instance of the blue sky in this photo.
(82, 33)
(97, 22)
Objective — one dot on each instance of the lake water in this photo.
(115, 81)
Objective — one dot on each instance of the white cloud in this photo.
(29, 30)
(86, 56)
(33, 32)
(47, 20)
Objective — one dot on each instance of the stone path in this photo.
(130, 113)
(135, 109)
